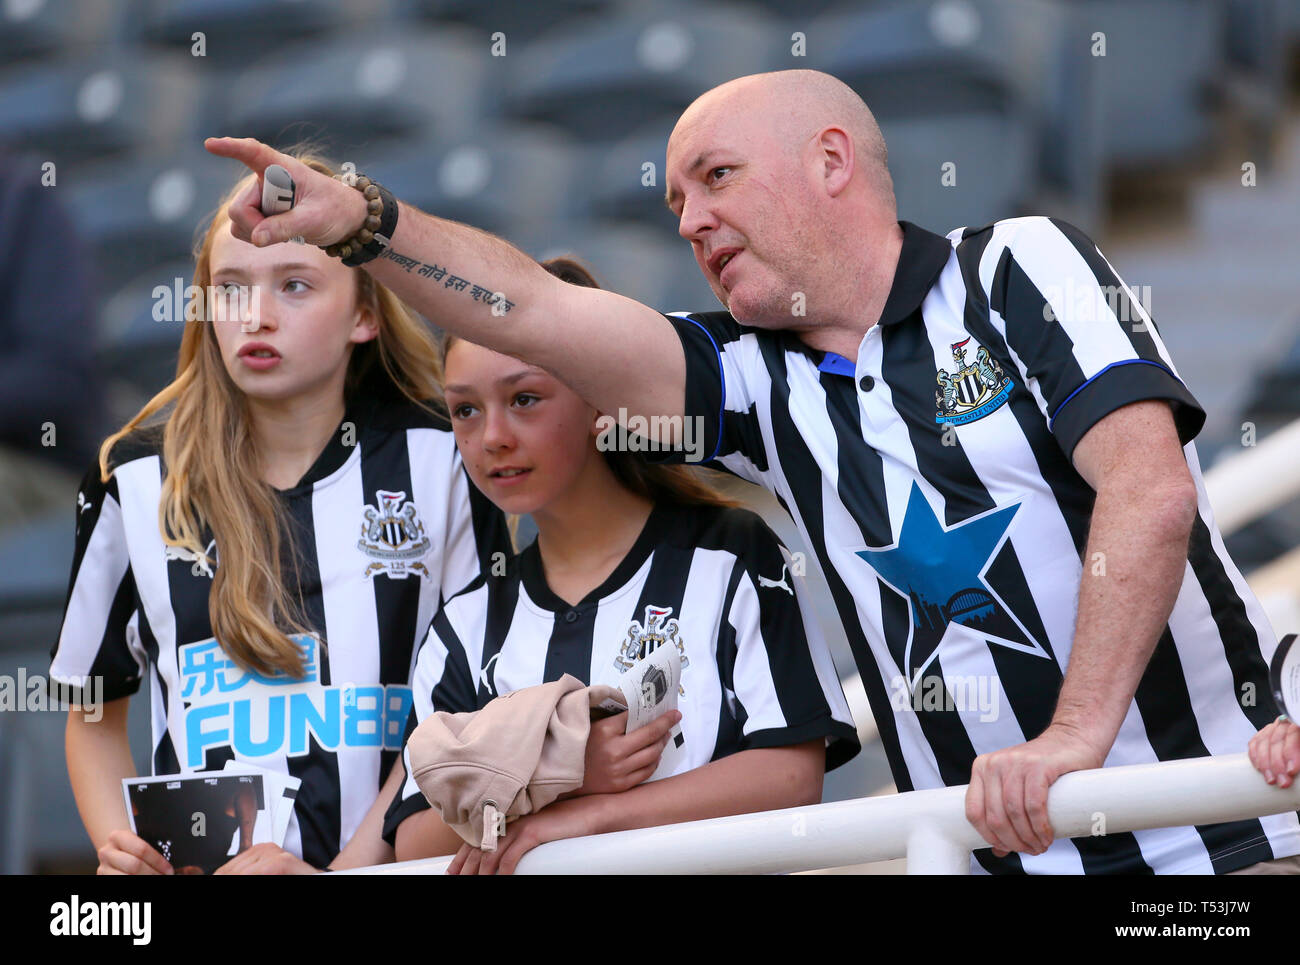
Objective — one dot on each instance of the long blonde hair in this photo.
(214, 471)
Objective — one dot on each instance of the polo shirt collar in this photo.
(659, 525)
(920, 261)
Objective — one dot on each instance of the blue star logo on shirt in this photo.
(941, 571)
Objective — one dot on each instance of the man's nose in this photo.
(697, 218)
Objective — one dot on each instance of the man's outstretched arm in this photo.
(595, 341)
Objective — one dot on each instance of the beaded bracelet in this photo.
(376, 232)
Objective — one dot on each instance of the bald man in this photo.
(981, 436)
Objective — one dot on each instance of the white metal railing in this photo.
(1255, 481)
(1244, 487)
(929, 828)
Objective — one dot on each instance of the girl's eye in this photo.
(525, 399)
(297, 281)
(462, 411)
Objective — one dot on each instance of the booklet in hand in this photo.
(199, 821)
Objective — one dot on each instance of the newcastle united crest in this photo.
(645, 638)
(974, 390)
(393, 536)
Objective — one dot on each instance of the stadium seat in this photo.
(603, 79)
(1276, 397)
(906, 58)
(34, 559)
(651, 265)
(78, 108)
(40, 28)
(1255, 49)
(1255, 36)
(387, 83)
(136, 351)
(1161, 57)
(621, 186)
(34, 798)
(492, 176)
(1272, 402)
(234, 31)
(1011, 68)
(517, 19)
(29, 30)
(38, 815)
(795, 10)
(1290, 25)
(145, 210)
(992, 157)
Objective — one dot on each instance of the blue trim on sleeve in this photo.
(837, 365)
(722, 381)
(1103, 372)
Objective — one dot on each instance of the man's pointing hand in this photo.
(325, 210)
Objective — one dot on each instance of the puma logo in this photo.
(200, 567)
(487, 676)
(764, 581)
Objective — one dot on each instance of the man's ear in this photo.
(836, 155)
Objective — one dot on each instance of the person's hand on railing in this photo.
(1006, 801)
(266, 859)
(562, 819)
(1275, 752)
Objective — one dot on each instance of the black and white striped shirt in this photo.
(386, 524)
(715, 582)
(932, 477)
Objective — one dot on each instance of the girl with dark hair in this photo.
(629, 556)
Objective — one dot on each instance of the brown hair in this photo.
(213, 469)
(685, 485)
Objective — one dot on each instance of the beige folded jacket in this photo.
(513, 757)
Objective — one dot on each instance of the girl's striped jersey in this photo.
(714, 582)
(385, 525)
(932, 476)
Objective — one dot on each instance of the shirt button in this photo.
(867, 383)
(571, 616)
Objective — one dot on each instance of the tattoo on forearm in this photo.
(499, 304)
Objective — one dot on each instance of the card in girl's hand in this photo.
(281, 792)
(198, 822)
(651, 686)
